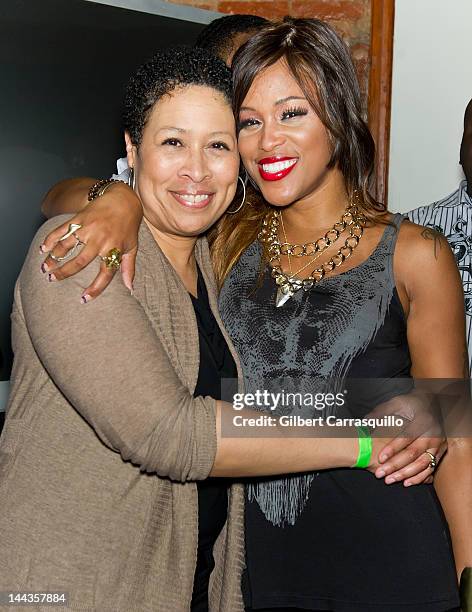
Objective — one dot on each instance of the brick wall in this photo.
(351, 18)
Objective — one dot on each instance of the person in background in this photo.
(452, 217)
(224, 36)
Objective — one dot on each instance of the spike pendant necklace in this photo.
(289, 284)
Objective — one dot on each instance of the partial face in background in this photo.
(466, 147)
(187, 164)
(283, 144)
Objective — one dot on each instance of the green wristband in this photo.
(365, 447)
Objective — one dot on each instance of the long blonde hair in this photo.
(320, 62)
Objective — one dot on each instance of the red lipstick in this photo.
(276, 168)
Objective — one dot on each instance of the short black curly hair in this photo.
(217, 37)
(167, 70)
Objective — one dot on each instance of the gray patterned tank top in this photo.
(340, 328)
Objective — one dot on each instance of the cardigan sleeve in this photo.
(111, 366)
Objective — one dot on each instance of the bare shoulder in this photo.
(424, 243)
(423, 256)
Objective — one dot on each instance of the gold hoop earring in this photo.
(233, 212)
(132, 178)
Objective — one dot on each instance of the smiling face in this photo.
(187, 163)
(284, 145)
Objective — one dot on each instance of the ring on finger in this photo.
(112, 259)
(69, 253)
(73, 227)
(433, 460)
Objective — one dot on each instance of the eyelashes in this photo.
(220, 146)
(289, 113)
(175, 142)
(297, 111)
(247, 123)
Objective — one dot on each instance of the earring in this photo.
(132, 178)
(233, 212)
(249, 179)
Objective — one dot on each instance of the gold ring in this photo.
(432, 463)
(69, 253)
(112, 259)
(73, 227)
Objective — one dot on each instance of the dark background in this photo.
(63, 67)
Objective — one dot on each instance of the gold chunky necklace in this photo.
(316, 254)
(288, 284)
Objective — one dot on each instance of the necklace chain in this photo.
(316, 255)
(288, 284)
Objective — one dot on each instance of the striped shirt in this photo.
(452, 216)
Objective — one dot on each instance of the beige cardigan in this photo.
(103, 443)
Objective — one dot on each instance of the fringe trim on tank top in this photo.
(283, 500)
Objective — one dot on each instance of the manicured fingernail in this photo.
(407, 483)
(390, 479)
(42, 249)
(51, 278)
(380, 474)
(85, 298)
(44, 268)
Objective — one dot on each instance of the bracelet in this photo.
(365, 447)
(99, 188)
